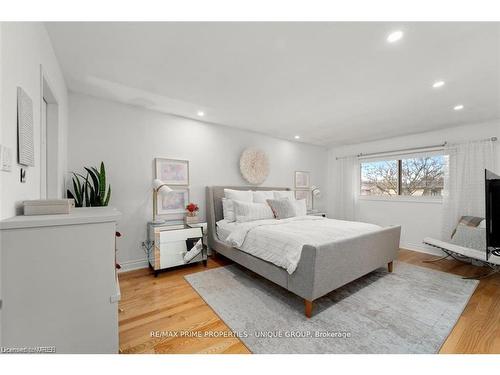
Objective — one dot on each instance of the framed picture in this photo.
(174, 202)
(172, 172)
(304, 194)
(301, 180)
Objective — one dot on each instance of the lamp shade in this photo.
(315, 191)
(160, 187)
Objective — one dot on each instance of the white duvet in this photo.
(280, 241)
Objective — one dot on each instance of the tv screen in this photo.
(492, 190)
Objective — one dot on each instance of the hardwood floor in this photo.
(154, 308)
(478, 328)
(167, 304)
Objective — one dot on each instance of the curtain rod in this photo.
(401, 150)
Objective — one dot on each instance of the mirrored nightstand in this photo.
(169, 244)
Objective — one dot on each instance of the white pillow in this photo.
(300, 207)
(262, 196)
(239, 195)
(245, 211)
(284, 194)
(228, 210)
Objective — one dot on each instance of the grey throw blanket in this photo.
(470, 221)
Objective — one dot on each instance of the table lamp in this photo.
(158, 187)
(315, 192)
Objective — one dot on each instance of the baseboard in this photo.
(421, 248)
(131, 265)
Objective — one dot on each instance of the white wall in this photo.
(128, 138)
(1, 293)
(418, 219)
(25, 47)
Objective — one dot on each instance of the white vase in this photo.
(191, 219)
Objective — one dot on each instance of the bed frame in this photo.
(321, 269)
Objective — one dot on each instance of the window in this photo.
(416, 176)
(379, 178)
(422, 176)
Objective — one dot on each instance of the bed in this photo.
(322, 267)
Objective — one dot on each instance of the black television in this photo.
(492, 191)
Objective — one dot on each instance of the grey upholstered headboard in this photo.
(214, 205)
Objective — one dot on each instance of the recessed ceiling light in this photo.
(201, 113)
(297, 137)
(438, 84)
(458, 107)
(395, 36)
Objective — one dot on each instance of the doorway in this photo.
(43, 151)
(49, 143)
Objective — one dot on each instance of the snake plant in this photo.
(78, 188)
(91, 192)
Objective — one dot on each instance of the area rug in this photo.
(411, 310)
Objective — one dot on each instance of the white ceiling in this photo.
(330, 83)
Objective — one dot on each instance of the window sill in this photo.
(402, 199)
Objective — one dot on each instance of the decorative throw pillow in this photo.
(262, 196)
(245, 211)
(282, 208)
(280, 194)
(300, 207)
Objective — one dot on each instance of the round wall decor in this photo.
(254, 165)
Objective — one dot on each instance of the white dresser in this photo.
(59, 283)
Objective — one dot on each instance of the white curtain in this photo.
(348, 186)
(464, 181)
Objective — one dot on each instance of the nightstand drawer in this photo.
(176, 259)
(172, 248)
(172, 255)
(168, 236)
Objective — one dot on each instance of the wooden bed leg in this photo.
(389, 266)
(308, 308)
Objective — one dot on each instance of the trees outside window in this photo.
(419, 176)
(379, 178)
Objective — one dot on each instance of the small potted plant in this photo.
(192, 212)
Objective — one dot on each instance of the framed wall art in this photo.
(173, 202)
(304, 194)
(302, 180)
(172, 172)
(25, 143)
